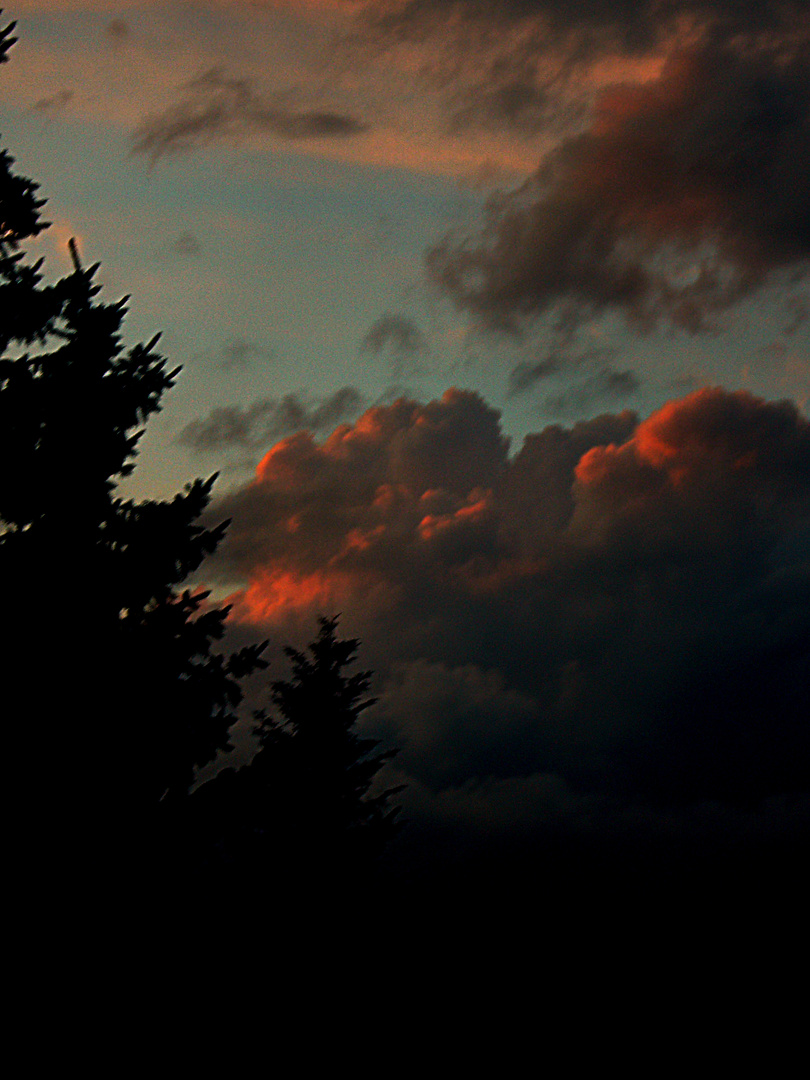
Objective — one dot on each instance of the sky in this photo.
(493, 320)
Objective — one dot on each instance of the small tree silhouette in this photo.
(118, 692)
(304, 808)
(333, 767)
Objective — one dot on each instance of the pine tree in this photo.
(304, 810)
(116, 688)
(331, 813)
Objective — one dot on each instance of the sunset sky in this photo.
(493, 319)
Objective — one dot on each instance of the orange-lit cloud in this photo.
(616, 576)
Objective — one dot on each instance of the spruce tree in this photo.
(114, 688)
(304, 811)
(331, 815)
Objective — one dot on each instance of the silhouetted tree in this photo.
(305, 807)
(334, 767)
(117, 691)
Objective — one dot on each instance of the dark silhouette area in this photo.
(309, 808)
(117, 691)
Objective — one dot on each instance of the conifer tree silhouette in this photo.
(118, 692)
(303, 809)
(317, 710)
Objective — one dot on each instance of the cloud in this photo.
(530, 66)
(56, 103)
(396, 332)
(634, 24)
(561, 358)
(603, 385)
(621, 605)
(685, 194)
(217, 105)
(237, 353)
(117, 30)
(233, 426)
(187, 244)
(525, 374)
(454, 724)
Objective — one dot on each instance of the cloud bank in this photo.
(616, 616)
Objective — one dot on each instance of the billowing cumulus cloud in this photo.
(256, 425)
(217, 105)
(621, 607)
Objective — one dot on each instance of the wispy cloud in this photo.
(605, 386)
(216, 105)
(55, 103)
(268, 419)
(396, 332)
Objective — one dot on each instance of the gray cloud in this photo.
(526, 374)
(580, 24)
(56, 103)
(234, 426)
(561, 357)
(668, 200)
(117, 30)
(686, 194)
(186, 244)
(396, 332)
(217, 105)
(235, 354)
(518, 64)
(603, 386)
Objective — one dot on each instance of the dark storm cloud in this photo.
(516, 103)
(687, 194)
(233, 426)
(394, 331)
(622, 608)
(216, 105)
(671, 196)
(507, 61)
